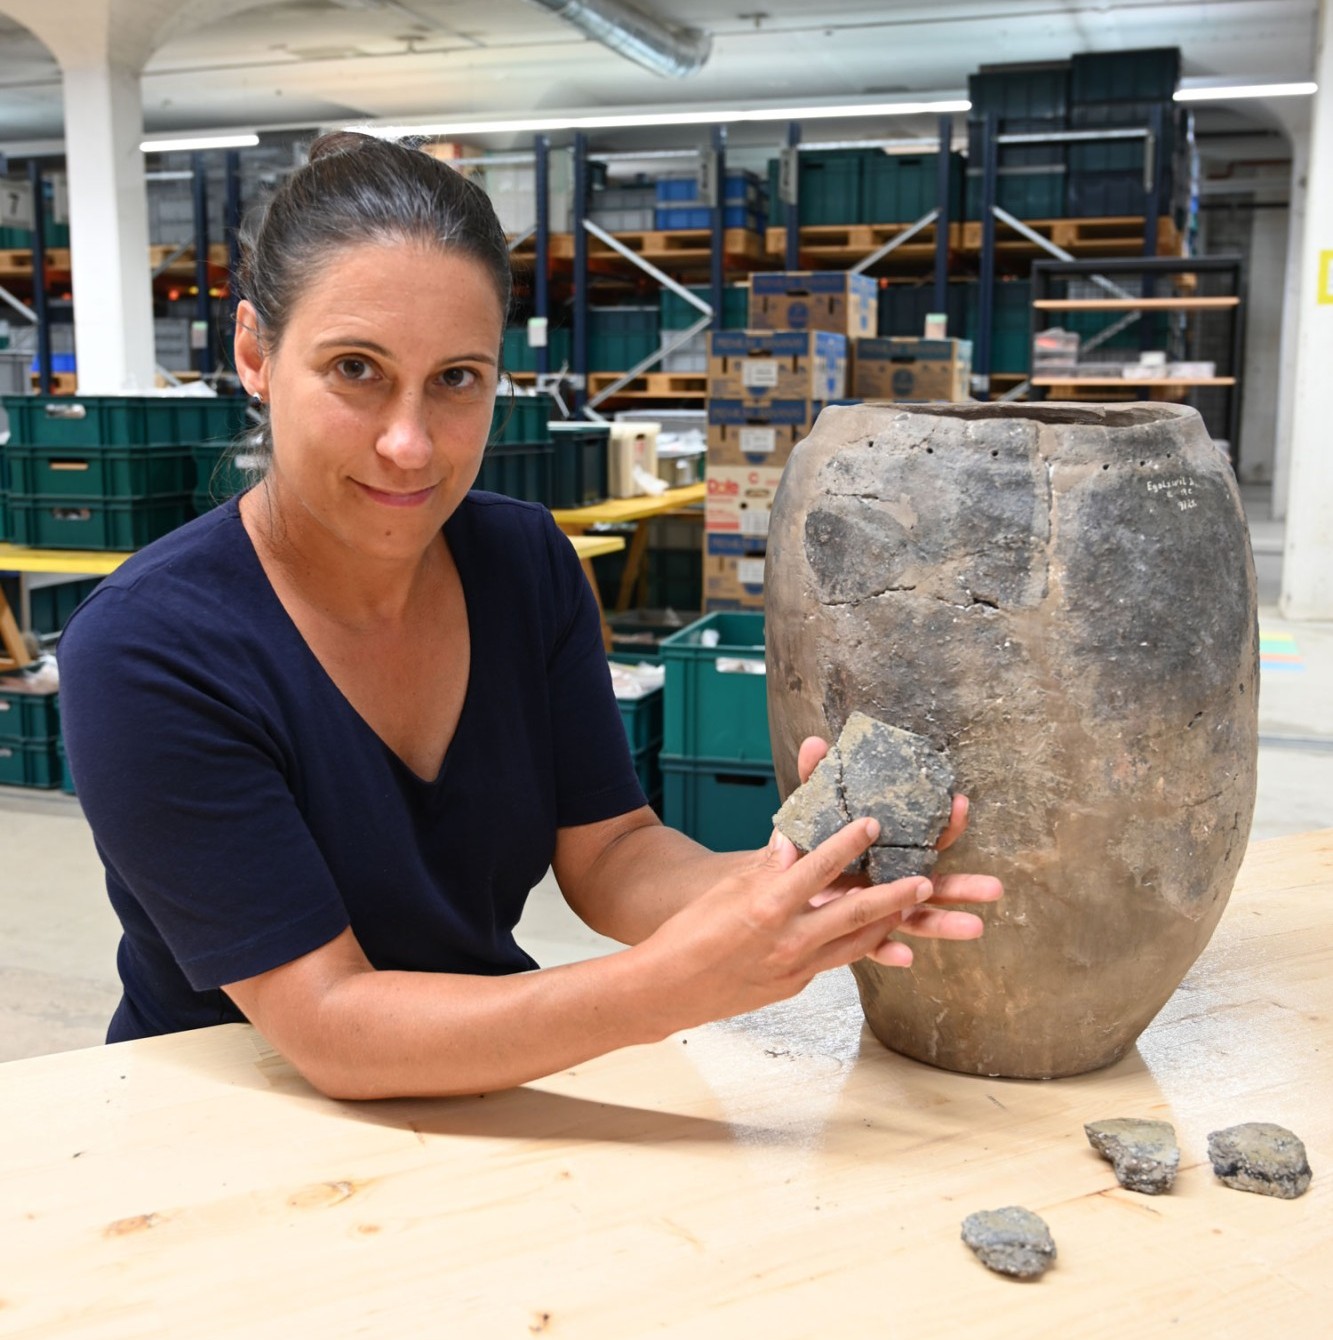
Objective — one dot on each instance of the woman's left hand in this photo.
(927, 920)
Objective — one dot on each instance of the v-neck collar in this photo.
(450, 533)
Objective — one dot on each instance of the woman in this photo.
(329, 736)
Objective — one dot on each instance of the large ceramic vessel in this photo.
(1063, 597)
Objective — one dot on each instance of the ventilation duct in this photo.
(641, 39)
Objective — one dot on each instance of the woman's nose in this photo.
(405, 438)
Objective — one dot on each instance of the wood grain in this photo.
(778, 1175)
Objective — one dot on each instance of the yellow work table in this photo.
(780, 1175)
(623, 511)
(89, 563)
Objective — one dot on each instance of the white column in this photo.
(1298, 130)
(1260, 374)
(108, 212)
(1307, 566)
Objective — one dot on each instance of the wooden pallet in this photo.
(653, 385)
(856, 237)
(686, 246)
(62, 383)
(1080, 236)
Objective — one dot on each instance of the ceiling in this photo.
(317, 62)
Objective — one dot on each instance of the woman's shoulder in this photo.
(502, 527)
(193, 577)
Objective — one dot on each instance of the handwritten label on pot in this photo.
(1180, 490)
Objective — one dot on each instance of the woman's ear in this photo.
(251, 360)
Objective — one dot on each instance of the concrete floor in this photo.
(58, 937)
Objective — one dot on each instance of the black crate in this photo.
(1149, 74)
(579, 463)
(1040, 90)
(518, 469)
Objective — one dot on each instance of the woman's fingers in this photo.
(812, 751)
(953, 830)
(961, 888)
(813, 873)
(937, 923)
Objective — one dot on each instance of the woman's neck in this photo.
(356, 590)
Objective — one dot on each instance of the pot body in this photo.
(1063, 596)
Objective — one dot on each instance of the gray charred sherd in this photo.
(1261, 1157)
(1011, 1241)
(876, 771)
(1144, 1153)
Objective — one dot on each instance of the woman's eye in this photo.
(354, 369)
(460, 379)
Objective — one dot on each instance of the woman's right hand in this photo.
(762, 934)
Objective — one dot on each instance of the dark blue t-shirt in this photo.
(246, 814)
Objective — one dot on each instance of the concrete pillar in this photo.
(108, 212)
(1261, 371)
(1307, 566)
(1297, 124)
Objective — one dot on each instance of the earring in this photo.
(256, 401)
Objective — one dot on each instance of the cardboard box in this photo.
(733, 583)
(737, 507)
(796, 413)
(753, 443)
(777, 365)
(632, 444)
(833, 300)
(911, 369)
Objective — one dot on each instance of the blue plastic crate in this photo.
(700, 216)
(742, 188)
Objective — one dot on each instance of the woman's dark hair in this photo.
(358, 189)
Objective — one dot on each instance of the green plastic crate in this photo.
(99, 472)
(638, 634)
(519, 356)
(518, 470)
(34, 763)
(579, 463)
(648, 769)
(619, 351)
(716, 703)
(94, 523)
(28, 716)
(222, 470)
(677, 314)
(49, 607)
(91, 421)
(643, 720)
(901, 188)
(1025, 194)
(723, 804)
(522, 420)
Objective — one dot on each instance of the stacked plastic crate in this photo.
(678, 315)
(744, 202)
(718, 784)
(1025, 100)
(1120, 90)
(107, 472)
(29, 737)
(766, 386)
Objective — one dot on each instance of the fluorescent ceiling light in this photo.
(1222, 94)
(200, 142)
(713, 117)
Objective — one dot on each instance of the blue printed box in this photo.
(777, 365)
(835, 300)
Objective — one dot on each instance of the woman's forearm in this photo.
(409, 1034)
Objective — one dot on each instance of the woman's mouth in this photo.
(393, 498)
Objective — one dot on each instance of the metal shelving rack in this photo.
(1148, 269)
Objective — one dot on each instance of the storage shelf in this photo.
(1134, 304)
(1132, 383)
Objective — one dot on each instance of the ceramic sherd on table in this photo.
(1062, 596)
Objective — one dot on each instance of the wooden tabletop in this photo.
(624, 510)
(780, 1175)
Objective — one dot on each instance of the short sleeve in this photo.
(595, 776)
(186, 788)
